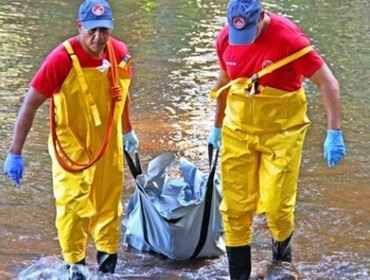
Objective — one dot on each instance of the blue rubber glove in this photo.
(13, 168)
(334, 147)
(130, 141)
(214, 137)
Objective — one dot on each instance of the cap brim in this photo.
(91, 24)
(243, 36)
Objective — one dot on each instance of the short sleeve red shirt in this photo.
(57, 65)
(280, 39)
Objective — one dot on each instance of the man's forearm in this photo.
(23, 125)
(26, 115)
(331, 102)
(126, 116)
(330, 92)
(220, 110)
(222, 80)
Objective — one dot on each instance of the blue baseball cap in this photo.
(95, 13)
(243, 16)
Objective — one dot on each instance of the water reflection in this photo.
(172, 44)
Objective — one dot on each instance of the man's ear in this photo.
(262, 15)
(79, 25)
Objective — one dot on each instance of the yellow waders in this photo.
(262, 142)
(88, 202)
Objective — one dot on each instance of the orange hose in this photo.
(115, 96)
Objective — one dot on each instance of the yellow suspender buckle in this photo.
(251, 88)
(124, 61)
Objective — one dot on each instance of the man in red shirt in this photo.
(86, 79)
(261, 118)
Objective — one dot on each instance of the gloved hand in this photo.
(214, 137)
(334, 147)
(13, 168)
(130, 141)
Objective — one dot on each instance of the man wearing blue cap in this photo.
(87, 80)
(261, 118)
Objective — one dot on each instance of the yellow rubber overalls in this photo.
(262, 140)
(88, 202)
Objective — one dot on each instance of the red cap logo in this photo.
(238, 22)
(97, 9)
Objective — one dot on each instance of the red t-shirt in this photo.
(280, 39)
(57, 65)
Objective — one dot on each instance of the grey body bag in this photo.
(176, 218)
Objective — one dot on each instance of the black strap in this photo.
(145, 231)
(135, 168)
(208, 202)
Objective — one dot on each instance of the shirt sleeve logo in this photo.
(238, 22)
(97, 9)
(230, 63)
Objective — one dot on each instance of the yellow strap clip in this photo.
(124, 62)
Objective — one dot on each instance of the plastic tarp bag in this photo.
(178, 218)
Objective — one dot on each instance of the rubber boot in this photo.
(74, 272)
(107, 262)
(282, 250)
(239, 262)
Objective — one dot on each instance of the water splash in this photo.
(52, 268)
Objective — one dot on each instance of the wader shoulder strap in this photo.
(284, 61)
(269, 69)
(81, 79)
